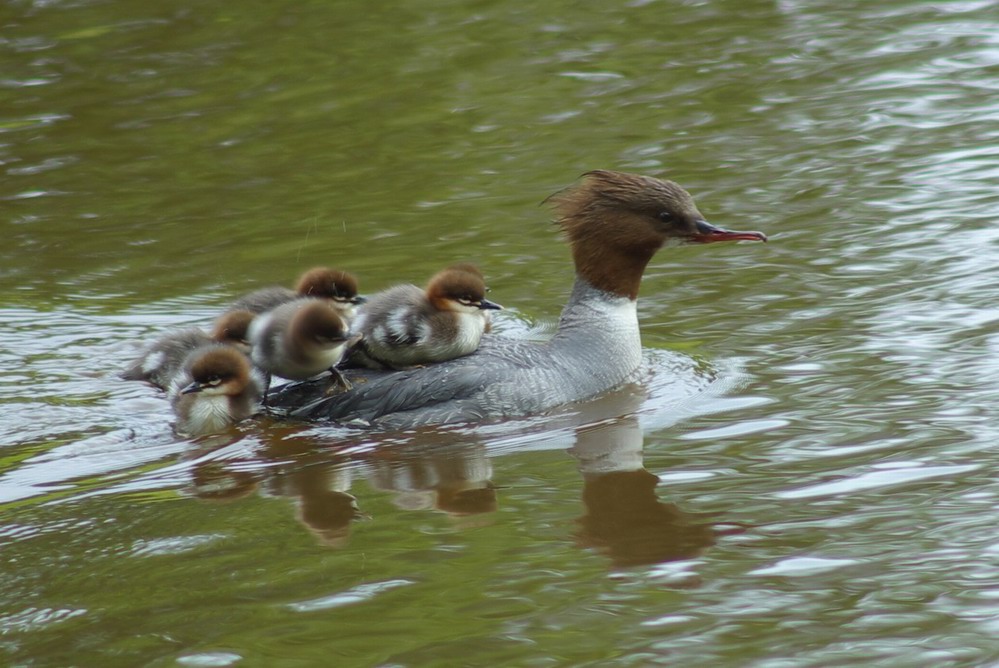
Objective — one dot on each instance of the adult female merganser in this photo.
(215, 388)
(405, 325)
(299, 340)
(339, 287)
(615, 222)
(159, 363)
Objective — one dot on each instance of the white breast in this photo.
(207, 414)
(470, 329)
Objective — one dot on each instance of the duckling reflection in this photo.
(323, 504)
(289, 466)
(319, 486)
(449, 471)
(218, 482)
(624, 518)
(454, 480)
(217, 478)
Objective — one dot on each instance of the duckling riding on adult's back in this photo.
(615, 222)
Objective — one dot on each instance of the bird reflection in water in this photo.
(318, 482)
(322, 502)
(623, 518)
(453, 479)
(289, 466)
(217, 481)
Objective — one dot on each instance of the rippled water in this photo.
(804, 477)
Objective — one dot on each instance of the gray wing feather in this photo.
(445, 392)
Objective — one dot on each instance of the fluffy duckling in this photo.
(339, 287)
(299, 340)
(408, 326)
(159, 363)
(215, 388)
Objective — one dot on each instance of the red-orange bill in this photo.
(708, 233)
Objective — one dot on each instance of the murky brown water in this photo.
(804, 478)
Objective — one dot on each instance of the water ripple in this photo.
(876, 480)
(358, 594)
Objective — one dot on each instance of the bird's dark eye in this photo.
(667, 217)
(214, 380)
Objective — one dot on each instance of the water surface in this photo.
(803, 477)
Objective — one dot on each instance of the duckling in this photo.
(158, 363)
(215, 388)
(299, 340)
(407, 326)
(339, 287)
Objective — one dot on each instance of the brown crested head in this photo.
(456, 285)
(327, 283)
(467, 267)
(232, 327)
(317, 322)
(615, 222)
(221, 366)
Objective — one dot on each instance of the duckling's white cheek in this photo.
(467, 308)
(214, 390)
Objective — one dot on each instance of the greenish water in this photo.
(804, 478)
